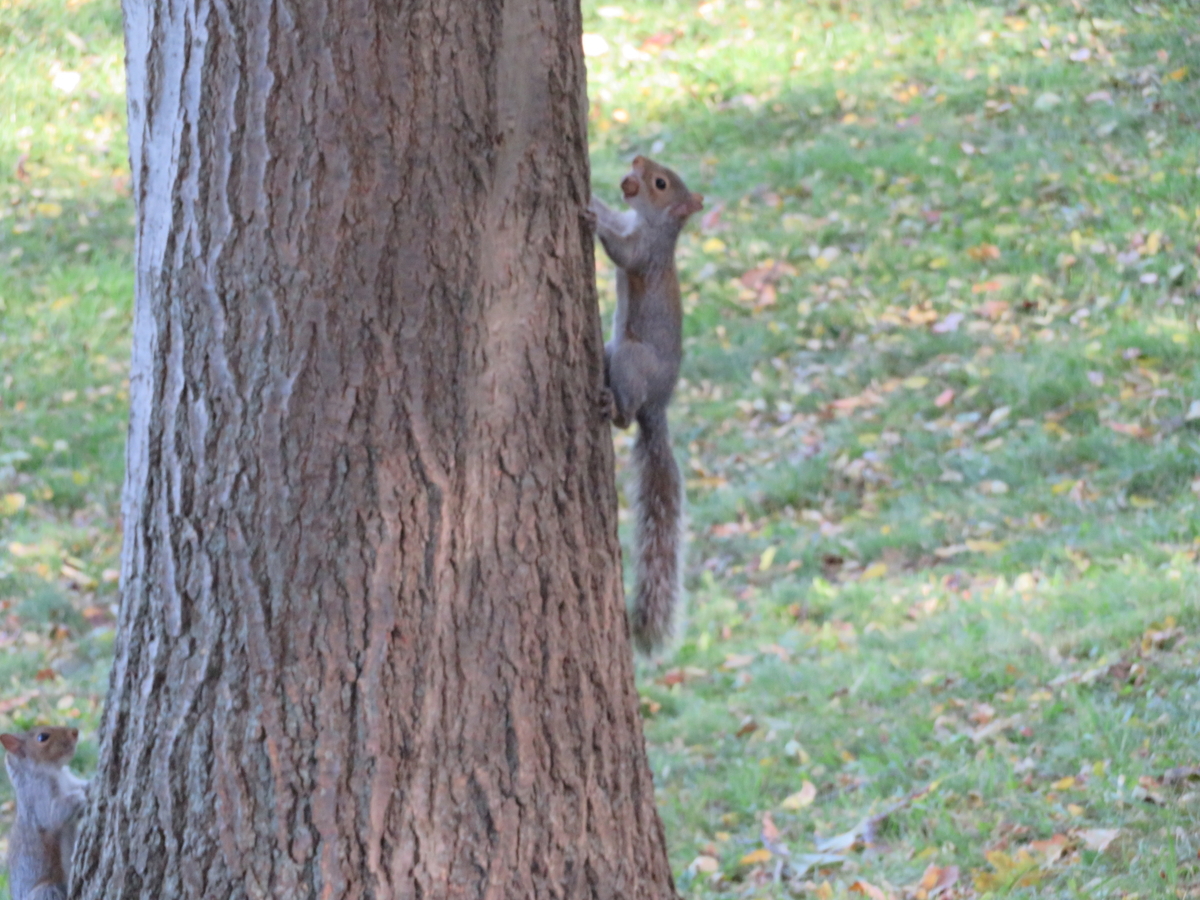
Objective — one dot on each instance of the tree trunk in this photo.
(372, 637)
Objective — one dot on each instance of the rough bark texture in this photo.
(372, 638)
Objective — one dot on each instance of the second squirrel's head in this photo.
(44, 744)
(658, 193)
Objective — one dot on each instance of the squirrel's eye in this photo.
(43, 737)
(660, 183)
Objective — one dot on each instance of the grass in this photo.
(936, 419)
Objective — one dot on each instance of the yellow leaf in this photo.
(754, 857)
(768, 557)
(824, 891)
(1074, 809)
(713, 245)
(876, 570)
(915, 382)
(1178, 75)
(939, 262)
(984, 546)
(10, 504)
(802, 798)
(49, 210)
(1064, 784)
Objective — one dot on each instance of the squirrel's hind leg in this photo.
(629, 367)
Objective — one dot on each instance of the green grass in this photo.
(942, 349)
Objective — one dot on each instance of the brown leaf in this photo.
(865, 887)
(712, 218)
(770, 833)
(984, 252)
(748, 726)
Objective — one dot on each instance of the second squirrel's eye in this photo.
(660, 183)
(43, 737)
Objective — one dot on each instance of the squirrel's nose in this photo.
(629, 186)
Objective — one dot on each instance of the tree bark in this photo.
(372, 636)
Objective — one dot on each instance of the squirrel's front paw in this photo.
(606, 405)
(587, 218)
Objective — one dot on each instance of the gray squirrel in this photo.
(50, 798)
(641, 367)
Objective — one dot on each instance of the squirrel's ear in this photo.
(684, 208)
(12, 744)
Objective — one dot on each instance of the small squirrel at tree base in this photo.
(50, 798)
(641, 367)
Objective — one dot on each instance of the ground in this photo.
(939, 419)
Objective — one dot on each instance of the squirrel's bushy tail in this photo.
(659, 506)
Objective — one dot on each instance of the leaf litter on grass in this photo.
(937, 419)
(941, 355)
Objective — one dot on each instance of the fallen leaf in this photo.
(944, 398)
(1052, 849)
(865, 887)
(1097, 839)
(754, 857)
(993, 728)
(984, 252)
(875, 570)
(712, 218)
(802, 798)
(748, 726)
(770, 833)
(736, 661)
(1131, 429)
(705, 864)
(1047, 100)
(935, 882)
(949, 324)
(986, 547)
(1021, 870)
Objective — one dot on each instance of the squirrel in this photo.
(50, 798)
(641, 367)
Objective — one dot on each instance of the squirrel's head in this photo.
(46, 744)
(659, 193)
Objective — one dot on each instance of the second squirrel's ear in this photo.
(12, 744)
(684, 208)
